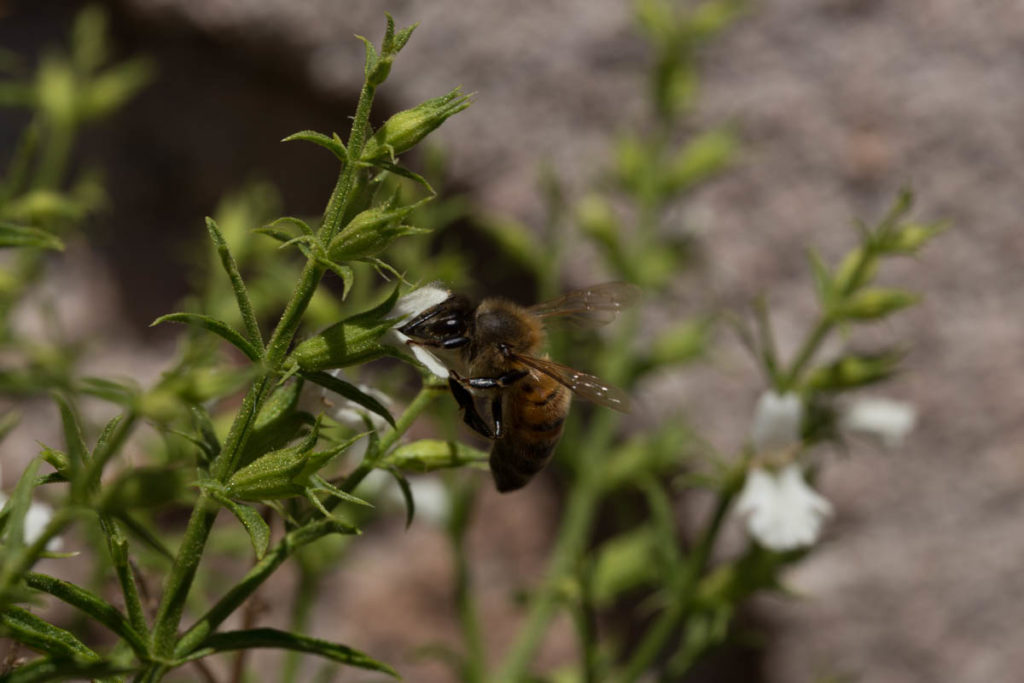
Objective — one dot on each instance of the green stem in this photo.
(473, 670)
(572, 538)
(117, 546)
(302, 606)
(667, 622)
(807, 351)
(234, 598)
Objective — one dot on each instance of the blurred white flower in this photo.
(316, 399)
(885, 418)
(782, 511)
(37, 517)
(414, 303)
(430, 496)
(777, 421)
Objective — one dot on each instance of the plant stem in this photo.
(656, 637)
(572, 538)
(179, 581)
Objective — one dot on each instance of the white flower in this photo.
(350, 413)
(430, 496)
(783, 512)
(414, 303)
(885, 418)
(37, 517)
(777, 421)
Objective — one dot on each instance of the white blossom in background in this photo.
(37, 517)
(777, 422)
(316, 399)
(783, 512)
(885, 418)
(430, 496)
(414, 303)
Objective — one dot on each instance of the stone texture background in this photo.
(839, 102)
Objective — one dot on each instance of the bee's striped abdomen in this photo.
(534, 413)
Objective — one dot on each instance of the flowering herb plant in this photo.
(290, 461)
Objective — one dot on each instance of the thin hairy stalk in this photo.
(186, 562)
(668, 621)
(234, 598)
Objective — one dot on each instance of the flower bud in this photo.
(777, 421)
(406, 128)
(370, 233)
(271, 476)
(874, 303)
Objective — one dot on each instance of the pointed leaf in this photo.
(255, 525)
(77, 452)
(42, 636)
(12, 235)
(273, 638)
(218, 327)
(252, 328)
(332, 144)
(410, 502)
(92, 605)
(349, 391)
(16, 509)
(63, 669)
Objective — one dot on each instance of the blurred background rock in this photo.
(837, 102)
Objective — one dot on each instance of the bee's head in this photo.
(445, 325)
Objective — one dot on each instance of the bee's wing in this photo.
(585, 386)
(595, 305)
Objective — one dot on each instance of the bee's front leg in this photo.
(469, 412)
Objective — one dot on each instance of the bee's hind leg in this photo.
(469, 412)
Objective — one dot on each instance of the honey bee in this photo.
(494, 352)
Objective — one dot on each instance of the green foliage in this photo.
(238, 425)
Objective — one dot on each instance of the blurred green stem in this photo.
(667, 622)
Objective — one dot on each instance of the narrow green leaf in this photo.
(12, 235)
(255, 525)
(144, 534)
(92, 605)
(406, 489)
(63, 669)
(273, 638)
(428, 455)
(332, 144)
(42, 636)
(349, 391)
(252, 327)
(218, 327)
(16, 509)
(320, 484)
(77, 452)
(121, 393)
(822, 278)
(117, 547)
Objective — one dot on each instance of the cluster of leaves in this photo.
(267, 460)
(266, 454)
